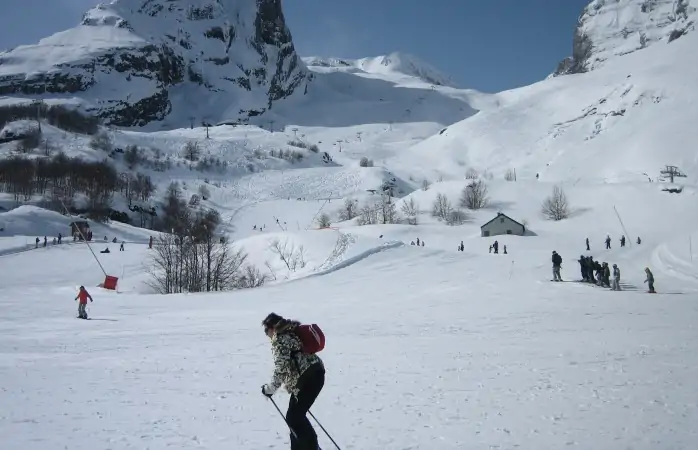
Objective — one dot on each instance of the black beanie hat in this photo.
(271, 320)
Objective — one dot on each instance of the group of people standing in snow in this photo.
(600, 273)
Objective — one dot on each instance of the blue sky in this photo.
(489, 45)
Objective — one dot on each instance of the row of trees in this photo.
(190, 257)
(60, 180)
(62, 117)
(474, 196)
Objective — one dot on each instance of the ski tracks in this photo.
(337, 259)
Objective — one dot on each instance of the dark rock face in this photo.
(612, 28)
(211, 52)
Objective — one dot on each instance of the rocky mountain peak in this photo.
(612, 28)
(133, 62)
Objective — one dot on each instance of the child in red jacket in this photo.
(83, 295)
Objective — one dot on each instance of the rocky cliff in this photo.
(133, 62)
(611, 28)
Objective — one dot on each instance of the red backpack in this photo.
(312, 338)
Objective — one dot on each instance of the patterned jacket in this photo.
(289, 360)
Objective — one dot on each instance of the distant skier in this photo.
(495, 246)
(302, 374)
(121, 247)
(150, 242)
(639, 241)
(45, 241)
(650, 280)
(588, 249)
(83, 295)
(505, 249)
(622, 241)
(616, 278)
(608, 242)
(417, 242)
(461, 247)
(60, 238)
(557, 263)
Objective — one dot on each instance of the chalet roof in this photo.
(500, 215)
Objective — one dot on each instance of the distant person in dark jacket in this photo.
(650, 280)
(557, 263)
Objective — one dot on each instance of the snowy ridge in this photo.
(611, 28)
(394, 64)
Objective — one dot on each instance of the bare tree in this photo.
(204, 192)
(293, 257)
(365, 162)
(271, 270)
(442, 208)
(350, 209)
(510, 175)
(556, 206)
(388, 212)
(251, 277)
(132, 156)
(425, 184)
(471, 174)
(323, 221)
(474, 195)
(101, 141)
(368, 214)
(457, 217)
(410, 210)
(191, 151)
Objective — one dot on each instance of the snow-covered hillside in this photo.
(612, 28)
(185, 370)
(622, 122)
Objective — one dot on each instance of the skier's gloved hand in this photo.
(268, 390)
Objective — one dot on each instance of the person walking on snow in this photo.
(650, 281)
(608, 242)
(302, 374)
(121, 248)
(616, 278)
(83, 295)
(588, 249)
(557, 262)
(622, 241)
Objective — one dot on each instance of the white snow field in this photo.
(427, 347)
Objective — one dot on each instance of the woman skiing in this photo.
(301, 373)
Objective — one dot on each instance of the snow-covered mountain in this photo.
(610, 28)
(135, 61)
(396, 63)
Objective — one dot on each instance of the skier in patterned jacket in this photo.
(302, 374)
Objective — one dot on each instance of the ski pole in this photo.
(284, 417)
(323, 429)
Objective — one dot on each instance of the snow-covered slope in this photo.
(136, 61)
(611, 28)
(623, 121)
(426, 347)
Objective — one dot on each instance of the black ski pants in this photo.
(310, 384)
